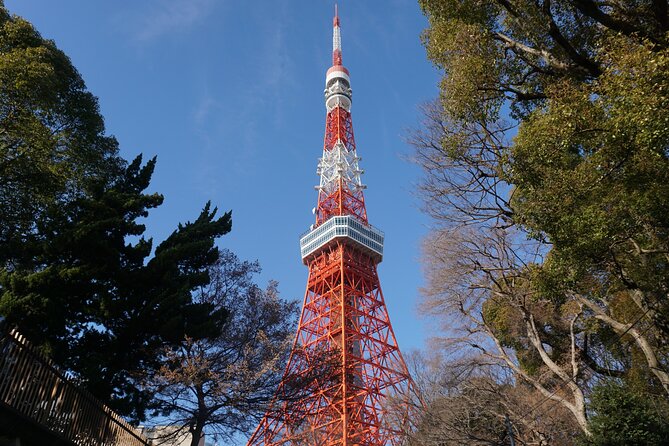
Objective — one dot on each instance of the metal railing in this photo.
(34, 388)
(346, 228)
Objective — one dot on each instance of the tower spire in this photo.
(340, 188)
(336, 40)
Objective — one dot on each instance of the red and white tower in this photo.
(344, 313)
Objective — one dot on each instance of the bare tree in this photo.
(478, 262)
(471, 400)
(223, 385)
(481, 280)
(464, 169)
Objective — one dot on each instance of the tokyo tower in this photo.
(344, 313)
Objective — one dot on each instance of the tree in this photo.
(52, 139)
(493, 51)
(96, 304)
(479, 285)
(470, 401)
(545, 170)
(625, 417)
(224, 384)
(76, 273)
(601, 201)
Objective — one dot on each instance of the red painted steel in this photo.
(344, 339)
(343, 200)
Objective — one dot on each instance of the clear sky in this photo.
(229, 95)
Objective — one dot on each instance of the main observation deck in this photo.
(345, 228)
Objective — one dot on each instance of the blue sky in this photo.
(229, 96)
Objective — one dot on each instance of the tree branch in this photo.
(544, 55)
(591, 9)
(579, 59)
(621, 328)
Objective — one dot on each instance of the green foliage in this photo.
(99, 305)
(51, 132)
(553, 123)
(458, 43)
(622, 417)
(77, 275)
(591, 167)
(592, 174)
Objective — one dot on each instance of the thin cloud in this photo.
(204, 109)
(166, 16)
(230, 129)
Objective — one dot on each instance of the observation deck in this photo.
(344, 228)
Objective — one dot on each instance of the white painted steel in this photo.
(347, 228)
(336, 39)
(337, 74)
(339, 163)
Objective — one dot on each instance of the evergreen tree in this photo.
(76, 273)
(623, 417)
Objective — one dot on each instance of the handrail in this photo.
(345, 215)
(32, 386)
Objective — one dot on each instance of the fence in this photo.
(33, 387)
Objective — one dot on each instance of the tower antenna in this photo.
(336, 39)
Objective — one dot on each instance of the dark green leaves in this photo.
(77, 275)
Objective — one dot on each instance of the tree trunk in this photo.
(196, 432)
(648, 351)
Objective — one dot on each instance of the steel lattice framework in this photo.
(344, 336)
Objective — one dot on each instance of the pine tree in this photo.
(77, 275)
